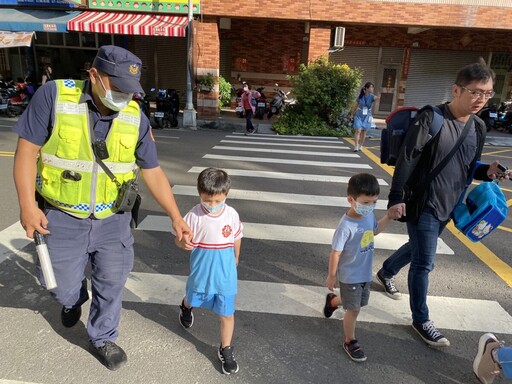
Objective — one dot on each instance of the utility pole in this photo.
(189, 113)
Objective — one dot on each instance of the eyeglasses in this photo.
(477, 94)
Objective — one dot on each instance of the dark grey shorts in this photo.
(354, 296)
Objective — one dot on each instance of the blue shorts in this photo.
(220, 304)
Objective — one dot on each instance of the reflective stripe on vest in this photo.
(68, 151)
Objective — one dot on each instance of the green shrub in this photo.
(324, 91)
(224, 92)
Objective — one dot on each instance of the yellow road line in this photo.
(502, 269)
(506, 229)
(495, 152)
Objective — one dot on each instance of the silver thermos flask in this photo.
(45, 261)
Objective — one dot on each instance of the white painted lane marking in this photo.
(287, 151)
(287, 161)
(278, 197)
(12, 240)
(285, 175)
(296, 234)
(308, 301)
(309, 139)
(341, 146)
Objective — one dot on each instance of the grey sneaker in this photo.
(186, 316)
(484, 366)
(389, 286)
(430, 334)
(354, 351)
(226, 356)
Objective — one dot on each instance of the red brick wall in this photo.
(368, 12)
(206, 60)
(319, 40)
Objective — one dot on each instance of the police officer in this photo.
(66, 126)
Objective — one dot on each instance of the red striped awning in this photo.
(129, 24)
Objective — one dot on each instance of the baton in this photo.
(45, 261)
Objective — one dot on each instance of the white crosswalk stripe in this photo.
(282, 144)
(285, 151)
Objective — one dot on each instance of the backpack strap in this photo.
(437, 121)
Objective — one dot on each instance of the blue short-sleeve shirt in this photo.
(36, 123)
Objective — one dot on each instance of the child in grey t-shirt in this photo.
(351, 257)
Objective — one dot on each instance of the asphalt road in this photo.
(281, 335)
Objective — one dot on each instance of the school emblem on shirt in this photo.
(227, 230)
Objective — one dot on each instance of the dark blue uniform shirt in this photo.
(36, 123)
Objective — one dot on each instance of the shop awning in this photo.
(15, 39)
(129, 24)
(35, 20)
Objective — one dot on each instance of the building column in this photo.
(319, 41)
(207, 60)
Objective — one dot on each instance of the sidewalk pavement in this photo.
(228, 120)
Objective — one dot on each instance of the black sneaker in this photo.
(389, 286)
(110, 355)
(229, 364)
(186, 316)
(328, 309)
(354, 351)
(70, 316)
(430, 334)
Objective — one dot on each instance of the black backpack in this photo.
(397, 124)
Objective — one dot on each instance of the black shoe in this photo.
(430, 334)
(229, 364)
(328, 309)
(110, 355)
(70, 316)
(389, 286)
(354, 351)
(186, 316)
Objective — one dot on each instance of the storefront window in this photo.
(104, 39)
(72, 39)
(42, 38)
(88, 39)
(56, 38)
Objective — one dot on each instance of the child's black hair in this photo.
(363, 184)
(213, 181)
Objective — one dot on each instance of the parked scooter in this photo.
(279, 102)
(261, 104)
(499, 119)
(167, 108)
(143, 101)
(489, 115)
(17, 98)
(239, 109)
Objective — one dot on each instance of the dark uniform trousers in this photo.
(108, 245)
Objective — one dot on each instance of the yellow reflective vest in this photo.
(68, 177)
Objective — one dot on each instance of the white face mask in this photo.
(116, 101)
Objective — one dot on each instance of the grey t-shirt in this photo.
(355, 239)
(446, 188)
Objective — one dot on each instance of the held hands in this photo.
(396, 211)
(184, 234)
(498, 172)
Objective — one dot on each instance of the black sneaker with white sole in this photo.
(389, 286)
(354, 351)
(186, 316)
(430, 334)
(226, 356)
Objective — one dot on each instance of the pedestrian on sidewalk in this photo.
(434, 203)
(350, 261)
(362, 115)
(249, 101)
(492, 359)
(215, 250)
(65, 129)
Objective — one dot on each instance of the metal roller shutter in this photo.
(225, 59)
(432, 73)
(143, 49)
(172, 63)
(366, 58)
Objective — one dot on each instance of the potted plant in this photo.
(206, 82)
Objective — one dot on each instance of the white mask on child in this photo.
(215, 209)
(364, 210)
